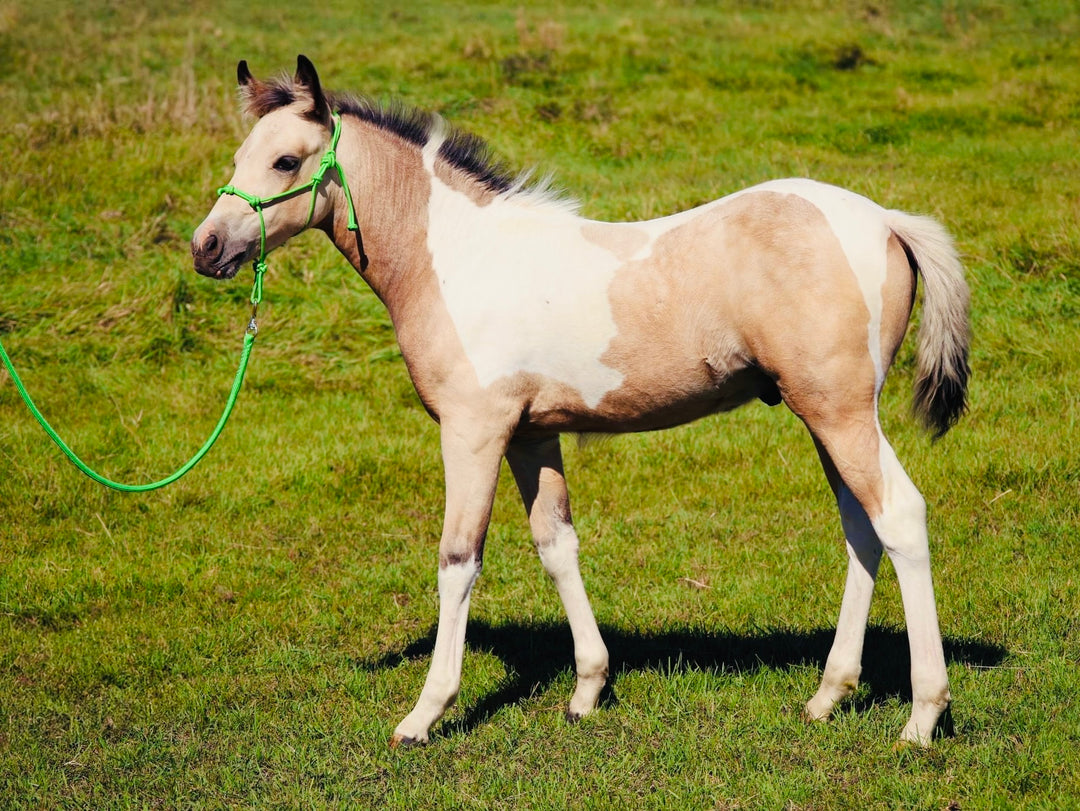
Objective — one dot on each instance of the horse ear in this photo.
(306, 76)
(250, 88)
(243, 75)
(247, 84)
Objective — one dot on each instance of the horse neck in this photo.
(390, 192)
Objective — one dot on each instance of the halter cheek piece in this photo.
(329, 161)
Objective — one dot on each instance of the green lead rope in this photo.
(329, 161)
(249, 341)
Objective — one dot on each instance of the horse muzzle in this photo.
(213, 255)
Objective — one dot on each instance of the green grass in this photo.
(250, 636)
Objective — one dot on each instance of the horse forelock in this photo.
(261, 98)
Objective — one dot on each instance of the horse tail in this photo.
(940, 396)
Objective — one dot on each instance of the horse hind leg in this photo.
(538, 469)
(882, 509)
(844, 664)
(901, 526)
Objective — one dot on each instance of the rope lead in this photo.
(328, 161)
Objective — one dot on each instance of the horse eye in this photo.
(287, 163)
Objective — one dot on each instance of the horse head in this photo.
(264, 204)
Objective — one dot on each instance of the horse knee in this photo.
(544, 530)
(558, 550)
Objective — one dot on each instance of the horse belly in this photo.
(670, 394)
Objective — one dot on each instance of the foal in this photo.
(518, 320)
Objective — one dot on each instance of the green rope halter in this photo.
(329, 161)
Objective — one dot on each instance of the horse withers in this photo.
(518, 320)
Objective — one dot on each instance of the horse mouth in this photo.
(225, 268)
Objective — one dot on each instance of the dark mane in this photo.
(460, 149)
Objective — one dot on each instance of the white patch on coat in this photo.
(457, 579)
(525, 290)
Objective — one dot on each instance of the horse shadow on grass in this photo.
(535, 655)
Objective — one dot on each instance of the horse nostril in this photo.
(210, 247)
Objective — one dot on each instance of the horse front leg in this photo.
(538, 470)
(471, 460)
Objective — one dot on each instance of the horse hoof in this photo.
(573, 717)
(911, 739)
(403, 741)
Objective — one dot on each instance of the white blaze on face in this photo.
(859, 226)
(525, 290)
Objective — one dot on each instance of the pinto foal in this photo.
(519, 319)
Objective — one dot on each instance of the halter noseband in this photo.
(329, 161)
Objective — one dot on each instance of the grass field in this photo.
(250, 636)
